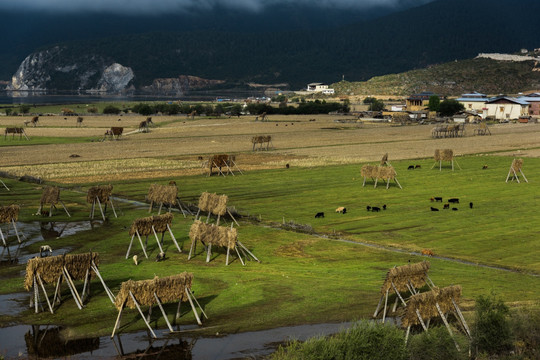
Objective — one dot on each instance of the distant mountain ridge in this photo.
(438, 32)
(481, 74)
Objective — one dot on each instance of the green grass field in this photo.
(326, 276)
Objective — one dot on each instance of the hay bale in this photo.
(401, 275)
(368, 171)
(160, 222)
(9, 213)
(50, 195)
(50, 268)
(213, 203)
(168, 289)
(101, 192)
(386, 173)
(447, 155)
(425, 304)
(163, 194)
(517, 165)
(144, 225)
(212, 234)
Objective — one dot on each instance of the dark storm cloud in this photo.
(167, 6)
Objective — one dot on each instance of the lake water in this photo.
(37, 98)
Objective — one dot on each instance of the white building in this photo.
(474, 102)
(506, 108)
(320, 87)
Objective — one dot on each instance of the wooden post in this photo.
(407, 334)
(191, 249)
(4, 183)
(107, 290)
(163, 312)
(378, 306)
(15, 228)
(447, 326)
(86, 282)
(3, 240)
(157, 239)
(199, 305)
(209, 252)
(182, 209)
(193, 307)
(228, 212)
(460, 315)
(240, 257)
(249, 252)
(44, 292)
(142, 245)
(398, 294)
(174, 239)
(100, 209)
(396, 180)
(129, 247)
(160, 206)
(522, 174)
(71, 286)
(421, 320)
(151, 206)
(142, 315)
(385, 304)
(65, 209)
(36, 295)
(117, 323)
(57, 290)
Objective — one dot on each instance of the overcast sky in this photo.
(168, 6)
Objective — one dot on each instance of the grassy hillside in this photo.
(452, 78)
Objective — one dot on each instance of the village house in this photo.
(320, 87)
(418, 102)
(506, 108)
(534, 103)
(474, 101)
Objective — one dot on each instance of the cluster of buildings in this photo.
(500, 108)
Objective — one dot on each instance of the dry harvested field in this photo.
(176, 144)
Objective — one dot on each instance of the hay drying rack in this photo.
(152, 225)
(157, 291)
(516, 166)
(56, 269)
(101, 194)
(223, 160)
(165, 195)
(9, 215)
(444, 155)
(51, 195)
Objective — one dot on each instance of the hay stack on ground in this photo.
(157, 291)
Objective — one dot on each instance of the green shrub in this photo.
(364, 341)
(491, 330)
(525, 325)
(437, 344)
(111, 109)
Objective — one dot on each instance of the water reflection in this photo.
(49, 343)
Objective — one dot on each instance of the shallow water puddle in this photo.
(47, 341)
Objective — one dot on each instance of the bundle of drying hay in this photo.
(369, 171)
(164, 194)
(213, 203)
(426, 302)
(160, 222)
(168, 289)
(444, 155)
(401, 276)
(9, 213)
(517, 164)
(144, 225)
(51, 195)
(50, 268)
(212, 234)
(386, 173)
(101, 192)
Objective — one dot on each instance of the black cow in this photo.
(319, 215)
(471, 205)
(434, 209)
(446, 206)
(384, 207)
(453, 200)
(437, 199)
(411, 167)
(368, 208)
(455, 209)
(417, 166)
(375, 209)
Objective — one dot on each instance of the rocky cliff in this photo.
(53, 69)
(179, 85)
